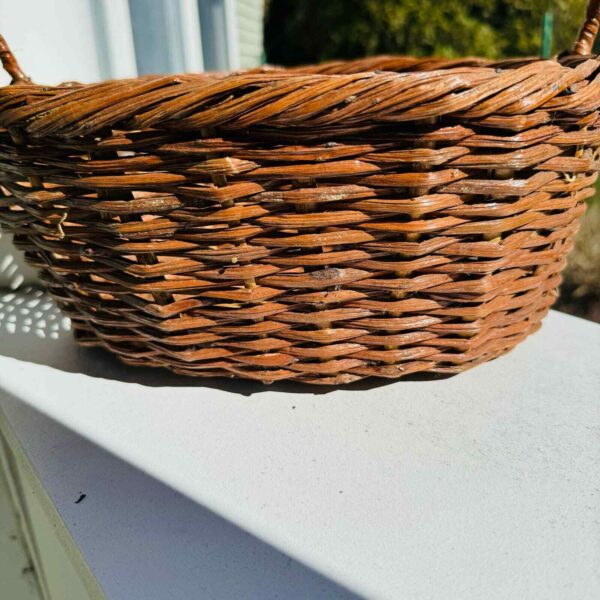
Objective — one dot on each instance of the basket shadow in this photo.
(226, 562)
(32, 329)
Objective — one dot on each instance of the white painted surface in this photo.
(51, 561)
(249, 22)
(115, 50)
(18, 578)
(482, 486)
(231, 35)
(14, 271)
(54, 40)
(191, 36)
(141, 539)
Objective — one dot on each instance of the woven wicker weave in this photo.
(371, 218)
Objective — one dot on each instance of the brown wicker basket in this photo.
(324, 224)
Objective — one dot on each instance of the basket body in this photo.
(325, 224)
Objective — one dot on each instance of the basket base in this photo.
(498, 334)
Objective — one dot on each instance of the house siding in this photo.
(249, 23)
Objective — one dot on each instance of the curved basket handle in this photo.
(589, 30)
(10, 64)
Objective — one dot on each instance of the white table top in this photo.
(479, 486)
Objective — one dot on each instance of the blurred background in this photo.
(90, 40)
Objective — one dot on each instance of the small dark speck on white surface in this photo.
(81, 498)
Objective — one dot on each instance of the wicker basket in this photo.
(324, 224)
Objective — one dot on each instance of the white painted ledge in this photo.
(134, 538)
(481, 486)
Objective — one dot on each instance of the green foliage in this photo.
(308, 31)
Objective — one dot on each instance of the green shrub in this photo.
(306, 31)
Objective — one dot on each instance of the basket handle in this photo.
(10, 64)
(589, 29)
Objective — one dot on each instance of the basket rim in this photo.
(298, 98)
(409, 67)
